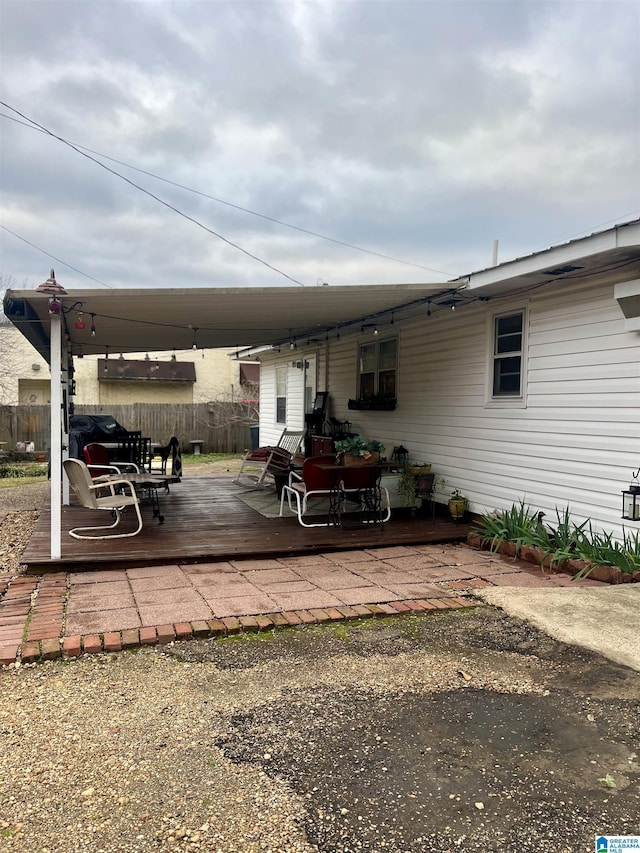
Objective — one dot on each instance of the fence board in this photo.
(222, 426)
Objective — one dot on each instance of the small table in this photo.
(147, 485)
(369, 493)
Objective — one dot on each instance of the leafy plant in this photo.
(23, 469)
(518, 524)
(565, 540)
(358, 445)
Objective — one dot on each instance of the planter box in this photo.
(529, 554)
(372, 405)
(352, 459)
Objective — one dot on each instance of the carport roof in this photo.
(136, 320)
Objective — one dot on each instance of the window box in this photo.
(373, 404)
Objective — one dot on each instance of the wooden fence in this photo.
(223, 427)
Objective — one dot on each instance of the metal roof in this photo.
(136, 320)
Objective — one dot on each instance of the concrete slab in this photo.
(604, 619)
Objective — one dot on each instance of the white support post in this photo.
(64, 416)
(56, 436)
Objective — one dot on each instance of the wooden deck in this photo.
(205, 521)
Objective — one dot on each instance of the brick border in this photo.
(115, 641)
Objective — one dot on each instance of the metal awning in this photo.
(115, 321)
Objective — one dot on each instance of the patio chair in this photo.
(271, 460)
(315, 483)
(113, 496)
(97, 458)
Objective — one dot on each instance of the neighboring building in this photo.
(193, 377)
(529, 390)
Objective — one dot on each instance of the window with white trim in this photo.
(281, 395)
(508, 355)
(378, 369)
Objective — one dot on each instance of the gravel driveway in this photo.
(462, 731)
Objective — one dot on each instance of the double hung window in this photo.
(508, 355)
(281, 395)
(378, 369)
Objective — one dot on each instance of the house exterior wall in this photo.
(575, 437)
(24, 377)
(270, 430)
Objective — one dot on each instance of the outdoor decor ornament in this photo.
(631, 498)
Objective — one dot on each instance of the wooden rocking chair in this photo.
(271, 460)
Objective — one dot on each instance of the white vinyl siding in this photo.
(576, 441)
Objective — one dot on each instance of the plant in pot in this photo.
(457, 505)
(416, 481)
(356, 449)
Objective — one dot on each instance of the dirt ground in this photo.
(511, 757)
(466, 730)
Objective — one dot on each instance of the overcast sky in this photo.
(417, 130)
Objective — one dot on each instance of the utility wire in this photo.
(49, 255)
(239, 207)
(152, 195)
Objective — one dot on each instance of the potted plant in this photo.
(357, 450)
(457, 505)
(416, 481)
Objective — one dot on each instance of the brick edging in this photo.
(115, 641)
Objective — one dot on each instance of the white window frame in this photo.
(377, 344)
(281, 376)
(508, 401)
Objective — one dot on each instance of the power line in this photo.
(49, 255)
(239, 207)
(153, 196)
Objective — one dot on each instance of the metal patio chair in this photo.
(112, 495)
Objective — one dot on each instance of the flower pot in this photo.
(457, 509)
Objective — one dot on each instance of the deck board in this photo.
(206, 521)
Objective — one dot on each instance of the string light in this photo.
(428, 309)
(194, 345)
(93, 325)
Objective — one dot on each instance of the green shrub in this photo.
(22, 469)
(563, 541)
(518, 524)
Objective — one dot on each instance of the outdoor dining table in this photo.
(367, 488)
(146, 487)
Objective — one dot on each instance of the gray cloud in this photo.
(419, 130)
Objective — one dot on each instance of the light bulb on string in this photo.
(93, 325)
